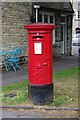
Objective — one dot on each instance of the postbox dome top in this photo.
(40, 26)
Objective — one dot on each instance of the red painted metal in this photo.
(40, 53)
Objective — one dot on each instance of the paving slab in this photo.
(39, 113)
(18, 114)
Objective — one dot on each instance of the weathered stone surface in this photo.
(14, 16)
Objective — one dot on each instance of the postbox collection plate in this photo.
(37, 48)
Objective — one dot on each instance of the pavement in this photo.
(39, 113)
(59, 64)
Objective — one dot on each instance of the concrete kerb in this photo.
(40, 107)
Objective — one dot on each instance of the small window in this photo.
(46, 18)
(65, 5)
(78, 35)
(63, 19)
(51, 19)
(78, 14)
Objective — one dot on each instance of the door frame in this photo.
(50, 14)
(64, 47)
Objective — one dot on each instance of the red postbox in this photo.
(40, 62)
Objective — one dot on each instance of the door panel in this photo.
(62, 42)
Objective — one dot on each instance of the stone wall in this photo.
(14, 16)
(0, 24)
(0, 30)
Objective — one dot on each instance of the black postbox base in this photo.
(40, 95)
